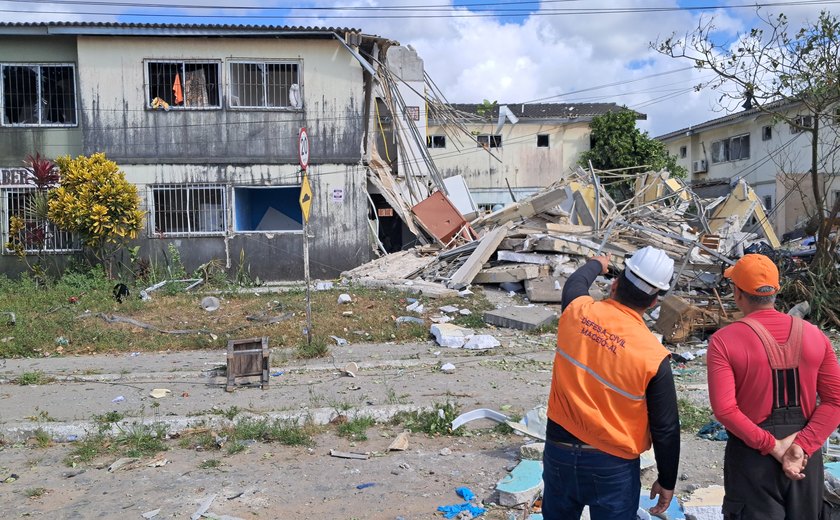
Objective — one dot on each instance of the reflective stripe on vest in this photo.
(597, 376)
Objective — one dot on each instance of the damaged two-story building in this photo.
(204, 120)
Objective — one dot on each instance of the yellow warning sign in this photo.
(305, 197)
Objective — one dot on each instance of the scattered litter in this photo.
(72, 438)
(118, 399)
(73, 473)
(339, 341)
(454, 510)
(344, 298)
(713, 431)
(210, 303)
(12, 317)
(159, 393)
(323, 286)
(465, 293)
(445, 452)
(410, 319)
(205, 505)
(400, 443)
(414, 306)
(350, 369)
(11, 478)
(480, 413)
(151, 514)
(134, 354)
(347, 313)
(522, 485)
(464, 312)
(158, 461)
(349, 455)
(62, 341)
(449, 335)
(533, 424)
(800, 310)
(121, 463)
(447, 368)
(277, 374)
(366, 485)
(448, 308)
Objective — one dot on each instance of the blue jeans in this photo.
(575, 477)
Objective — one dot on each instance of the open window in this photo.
(22, 226)
(265, 85)
(39, 95)
(436, 141)
(542, 140)
(268, 209)
(184, 84)
(188, 210)
(731, 149)
(489, 141)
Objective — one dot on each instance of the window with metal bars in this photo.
(22, 226)
(489, 141)
(181, 209)
(184, 84)
(265, 85)
(38, 95)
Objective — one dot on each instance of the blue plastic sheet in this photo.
(714, 431)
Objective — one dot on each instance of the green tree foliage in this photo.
(615, 142)
(95, 201)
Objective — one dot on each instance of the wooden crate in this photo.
(247, 358)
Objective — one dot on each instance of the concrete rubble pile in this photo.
(534, 244)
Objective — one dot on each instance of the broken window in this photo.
(39, 95)
(265, 85)
(683, 152)
(801, 122)
(766, 133)
(732, 149)
(267, 209)
(22, 225)
(436, 141)
(489, 141)
(542, 140)
(184, 84)
(768, 202)
(180, 209)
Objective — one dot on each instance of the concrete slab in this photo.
(522, 485)
(507, 273)
(545, 289)
(705, 503)
(522, 318)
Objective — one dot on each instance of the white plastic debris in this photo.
(465, 293)
(210, 303)
(448, 308)
(413, 306)
(323, 286)
(344, 298)
(465, 312)
(339, 341)
(447, 368)
(449, 335)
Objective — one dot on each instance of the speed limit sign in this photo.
(303, 148)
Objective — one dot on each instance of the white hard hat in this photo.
(649, 269)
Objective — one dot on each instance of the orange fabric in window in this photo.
(176, 88)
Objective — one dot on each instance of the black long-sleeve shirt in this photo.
(661, 396)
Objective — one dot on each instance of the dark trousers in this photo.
(757, 488)
(576, 477)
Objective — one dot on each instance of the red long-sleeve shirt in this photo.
(741, 385)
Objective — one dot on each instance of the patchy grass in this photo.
(437, 421)
(73, 305)
(692, 417)
(236, 447)
(42, 438)
(284, 432)
(317, 349)
(210, 464)
(87, 450)
(356, 428)
(33, 378)
(35, 492)
(141, 440)
(203, 440)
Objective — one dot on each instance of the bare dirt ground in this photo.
(272, 481)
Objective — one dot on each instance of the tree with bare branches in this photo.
(791, 74)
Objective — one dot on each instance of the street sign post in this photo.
(305, 206)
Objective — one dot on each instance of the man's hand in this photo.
(794, 461)
(782, 446)
(604, 260)
(665, 496)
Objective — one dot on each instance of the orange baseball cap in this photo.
(752, 272)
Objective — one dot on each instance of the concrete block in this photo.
(507, 273)
(522, 318)
(532, 451)
(522, 485)
(545, 289)
(481, 342)
(449, 335)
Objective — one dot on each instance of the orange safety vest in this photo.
(605, 358)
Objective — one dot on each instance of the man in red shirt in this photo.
(774, 383)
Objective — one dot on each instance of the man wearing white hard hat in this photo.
(612, 396)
